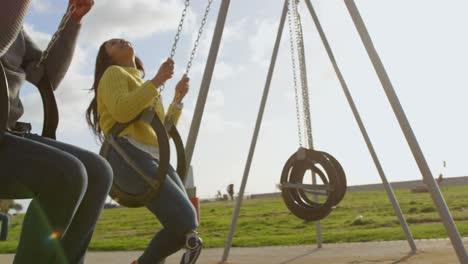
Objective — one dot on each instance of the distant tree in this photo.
(219, 196)
(6, 205)
(17, 207)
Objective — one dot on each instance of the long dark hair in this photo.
(103, 61)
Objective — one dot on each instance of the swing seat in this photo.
(129, 199)
(51, 116)
(4, 102)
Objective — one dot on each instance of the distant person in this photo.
(230, 191)
(440, 179)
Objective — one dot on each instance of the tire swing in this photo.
(325, 166)
(164, 131)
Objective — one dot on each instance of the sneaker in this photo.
(194, 248)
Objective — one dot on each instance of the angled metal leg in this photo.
(418, 155)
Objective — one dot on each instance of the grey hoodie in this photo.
(19, 54)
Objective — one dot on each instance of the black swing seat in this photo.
(51, 116)
(293, 191)
(4, 102)
(154, 184)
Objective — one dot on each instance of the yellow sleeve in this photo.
(174, 112)
(124, 105)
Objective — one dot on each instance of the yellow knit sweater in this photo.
(122, 95)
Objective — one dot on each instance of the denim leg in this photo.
(78, 236)
(55, 180)
(172, 173)
(176, 213)
(172, 207)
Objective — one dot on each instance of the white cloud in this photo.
(40, 38)
(43, 6)
(216, 98)
(134, 19)
(235, 31)
(262, 40)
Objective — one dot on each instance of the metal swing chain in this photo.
(291, 9)
(195, 45)
(63, 23)
(303, 72)
(179, 28)
(177, 36)
(197, 41)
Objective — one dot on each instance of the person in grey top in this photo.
(68, 185)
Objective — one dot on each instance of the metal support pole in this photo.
(266, 90)
(386, 184)
(436, 195)
(206, 81)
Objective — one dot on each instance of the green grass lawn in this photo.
(266, 222)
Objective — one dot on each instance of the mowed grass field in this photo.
(266, 222)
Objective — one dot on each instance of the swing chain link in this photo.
(179, 28)
(57, 34)
(303, 72)
(291, 9)
(197, 41)
(177, 36)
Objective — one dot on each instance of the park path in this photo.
(436, 251)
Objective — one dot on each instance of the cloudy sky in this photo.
(422, 45)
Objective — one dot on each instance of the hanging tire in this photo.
(341, 177)
(327, 169)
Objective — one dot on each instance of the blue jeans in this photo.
(5, 220)
(68, 186)
(172, 207)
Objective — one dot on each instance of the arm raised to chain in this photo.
(56, 58)
(12, 14)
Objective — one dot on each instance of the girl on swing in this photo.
(120, 95)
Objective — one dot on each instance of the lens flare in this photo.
(55, 235)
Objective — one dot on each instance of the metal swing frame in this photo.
(386, 83)
(437, 197)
